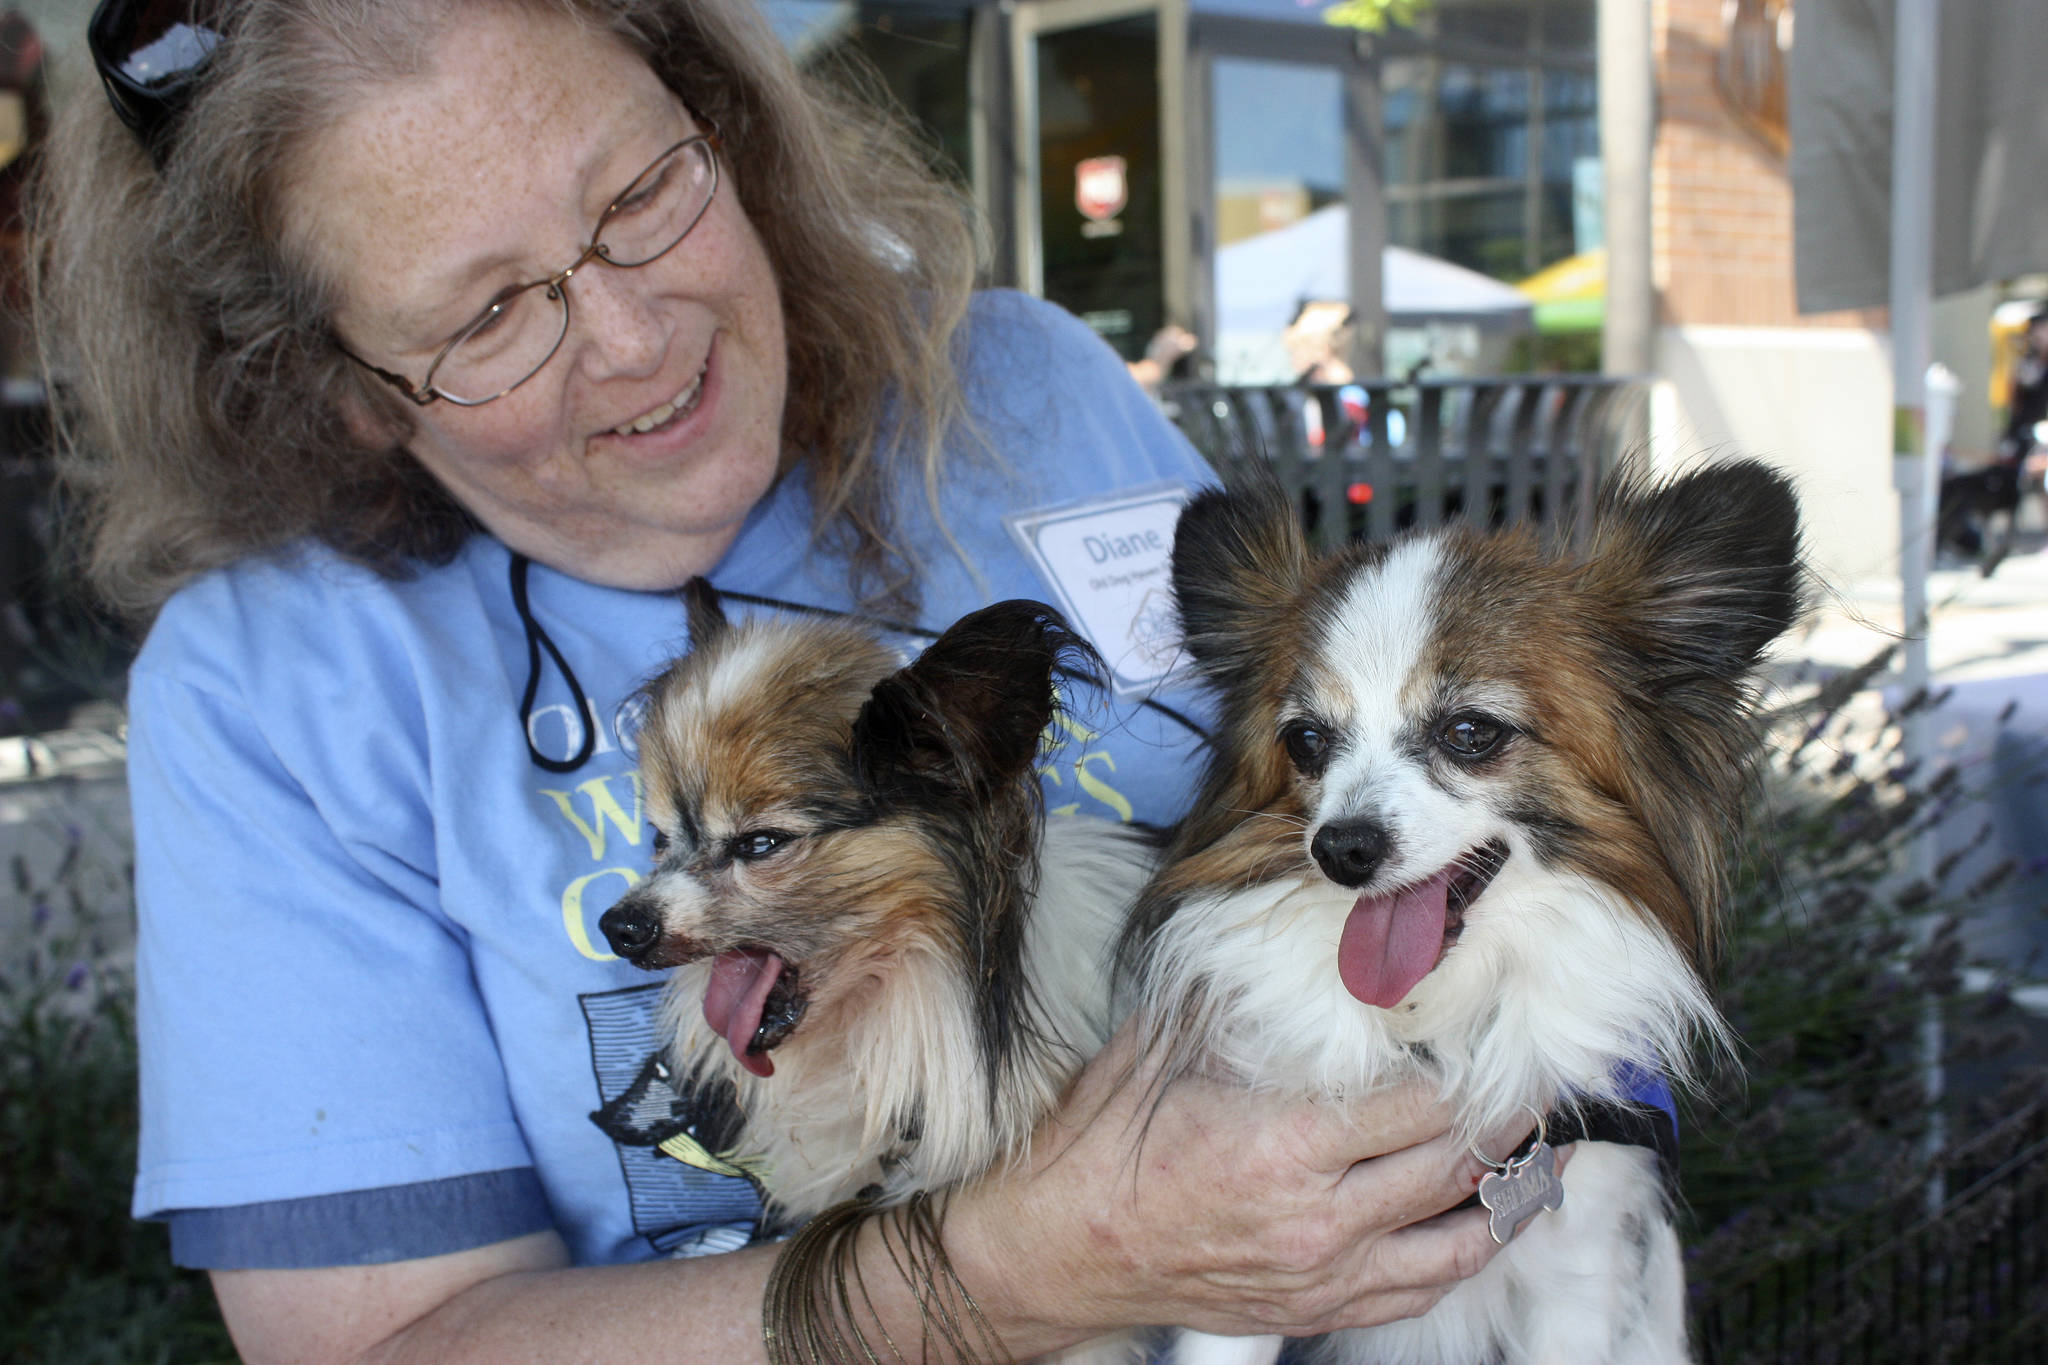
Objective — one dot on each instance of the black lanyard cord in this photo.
(537, 640)
(809, 609)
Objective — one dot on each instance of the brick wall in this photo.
(1721, 201)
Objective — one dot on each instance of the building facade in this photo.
(1740, 368)
(1146, 162)
(1218, 164)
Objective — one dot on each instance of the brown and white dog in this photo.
(879, 937)
(1467, 820)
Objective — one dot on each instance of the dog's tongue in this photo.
(1391, 942)
(740, 982)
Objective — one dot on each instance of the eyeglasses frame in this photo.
(424, 392)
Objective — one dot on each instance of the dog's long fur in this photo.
(878, 828)
(1394, 718)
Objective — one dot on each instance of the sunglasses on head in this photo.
(149, 54)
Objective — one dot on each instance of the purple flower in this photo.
(74, 980)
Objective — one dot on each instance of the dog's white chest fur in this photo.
(1576, 986)
(1598, 1280)
(1565, 983)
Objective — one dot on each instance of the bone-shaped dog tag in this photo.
(1521, 1190)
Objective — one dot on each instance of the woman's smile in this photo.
(683, 404)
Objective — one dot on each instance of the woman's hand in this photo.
(1221, 1210)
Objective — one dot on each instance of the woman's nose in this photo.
(619, 327)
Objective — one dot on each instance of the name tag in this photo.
(1109, 564)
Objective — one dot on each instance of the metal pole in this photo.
(1912, 306)
(1627, 133)
(1176, 228)
(1915, 45)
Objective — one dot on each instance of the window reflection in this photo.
(1485, 113)
(1099, 177)
(1491, 123)
(1281, 230)
(1496, 23)
(1569, 28)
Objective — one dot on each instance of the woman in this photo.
(410, 356)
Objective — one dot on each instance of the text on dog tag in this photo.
(1520, 1191)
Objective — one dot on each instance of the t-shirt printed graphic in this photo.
(682, 1208)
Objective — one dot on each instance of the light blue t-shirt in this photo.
(378, 1020)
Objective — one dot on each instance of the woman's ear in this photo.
(372, 418)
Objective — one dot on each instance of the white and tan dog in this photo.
(880, 939)
(1467, 821)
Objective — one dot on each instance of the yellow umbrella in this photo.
(1570, 295)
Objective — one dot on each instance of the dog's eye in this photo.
(758, 843)
(1471, 736)
(660, 841)
(1307, 746)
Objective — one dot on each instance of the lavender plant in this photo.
(1843, 1154)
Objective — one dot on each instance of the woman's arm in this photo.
(512, 1302)
(1218, 1210)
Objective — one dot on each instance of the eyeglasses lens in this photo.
(659, 209)
(508, 343)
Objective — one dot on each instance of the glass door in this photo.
(1287, 202)
(1282, 222)
(1098, 90)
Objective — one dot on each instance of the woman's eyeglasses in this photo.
(521, 329)
(149, 54)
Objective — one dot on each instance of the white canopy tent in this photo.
(1262, 281)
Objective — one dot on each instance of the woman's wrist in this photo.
(924, 1280)
(1006, 1260)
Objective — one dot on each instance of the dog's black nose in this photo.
(631, 927)
(1350, 851)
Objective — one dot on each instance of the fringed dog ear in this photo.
(967, 716)
(1239, 560)
(1705, 571)
(1690, 582)
(705, 615)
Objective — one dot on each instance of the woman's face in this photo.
(491, 169)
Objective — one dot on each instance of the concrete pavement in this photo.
(1988, 645)
(1981, 628)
